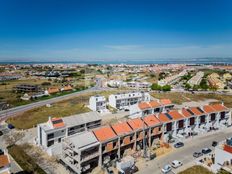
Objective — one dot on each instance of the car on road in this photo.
(166, 169)
(206, 150)
(197, 154)
(214, 143)
(179, 144)
(176, 164)
(10, 126)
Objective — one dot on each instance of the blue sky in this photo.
(76, 30)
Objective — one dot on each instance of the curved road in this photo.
(12, 111)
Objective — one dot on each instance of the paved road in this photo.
(12, 111)
(184, 154)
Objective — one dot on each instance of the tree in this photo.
(155, 86)
(187, 86)
(166, 88)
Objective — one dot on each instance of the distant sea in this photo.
(227, 61)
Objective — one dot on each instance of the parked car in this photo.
(206, 150)
(214, 143)
(197, 154)
(167, 168)
(1, 133)
(10, 126)
(179, 144)
(176, 164)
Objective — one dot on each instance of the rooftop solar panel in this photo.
(190, 111)
(169, 116)
(200, 110)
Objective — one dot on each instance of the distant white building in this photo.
(116, 83)
(125, 100)
(97, 103)
(170, 80)
(138, 85)
(50, 134)
(196, 80)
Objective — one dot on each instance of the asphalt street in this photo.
(16, 110)
(185, 154)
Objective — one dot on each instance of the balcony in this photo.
(89, 157)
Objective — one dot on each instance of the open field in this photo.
(65, 108)
(196, 170)
(12, 98)
(179, 98)
(25, 161)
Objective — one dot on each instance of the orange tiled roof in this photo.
(219, 107)
(57, 122)
(121, 128)
(195, 111)
(136, 123)
(67, 88)
(4, 161)
(165, 101)
(144, 105)
(163, 118)
(104, 133)
(151, 120)
(208, 109)
(154, 104)
(53, 90)
(186, 113)
(176, 115)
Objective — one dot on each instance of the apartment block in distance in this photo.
(123, 101)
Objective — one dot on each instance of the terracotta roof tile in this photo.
(121, 128)
(186, 113)
(219, 107)
(136, 123)
(176, 115)
(57, 122)
(4, 161)
(208, 109)
(165, 101)
(104, 133)
(151, 120)
(196, 111)
(163, 118)
(154, 104)
(144, 105)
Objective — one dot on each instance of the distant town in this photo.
(115, 118)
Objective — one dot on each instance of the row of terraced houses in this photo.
(154, 123)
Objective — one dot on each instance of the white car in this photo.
(167, 168)
(176, 164)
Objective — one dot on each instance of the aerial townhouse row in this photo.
(82, 152)
(151, 107)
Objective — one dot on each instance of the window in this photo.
(50, 143)
(59, 140)
(50, 136)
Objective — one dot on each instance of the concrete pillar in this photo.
(119, 148)
(100, 156)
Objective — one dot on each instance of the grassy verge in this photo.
(179, 98)
(65, 108)
(25, 161)
(196, 170)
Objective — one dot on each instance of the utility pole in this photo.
(144, 140)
